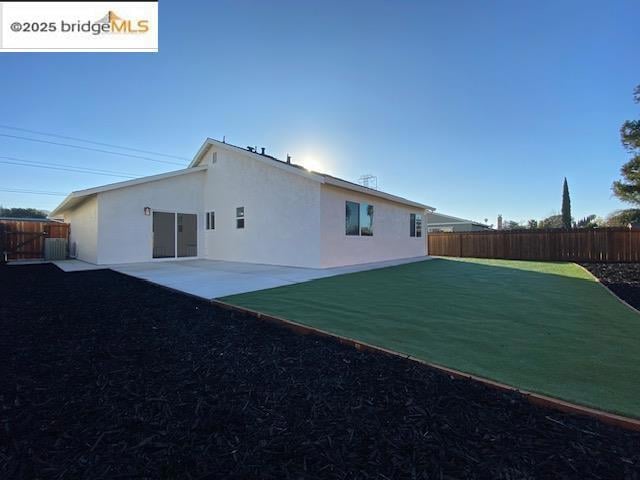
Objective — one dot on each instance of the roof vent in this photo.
(288, 158)
(262, 150)
(250, 148)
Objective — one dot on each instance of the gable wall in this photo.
(282, 212)
(125, 233)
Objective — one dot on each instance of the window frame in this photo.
(346, 217)
(210, 220)
(358, 208)
(416, 225)
(240, 217)
(366, 207)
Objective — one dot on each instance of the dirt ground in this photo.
(104, 376)
(623, 279)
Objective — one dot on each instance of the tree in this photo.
(510, 225)
(590, 221)
(628, 189)
(554, 221)
(22, 213)
(566, 205)
(532, 224)
(622, 218)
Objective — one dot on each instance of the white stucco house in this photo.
(236, 204)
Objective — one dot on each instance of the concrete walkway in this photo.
(213, 279)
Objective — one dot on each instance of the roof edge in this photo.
(338, 182)
(118, 185)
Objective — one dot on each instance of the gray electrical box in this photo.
(55, 248)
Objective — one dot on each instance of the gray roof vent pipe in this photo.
(262, 150)
(288, 158)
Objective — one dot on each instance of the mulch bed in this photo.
(103, 376)
(623, 279)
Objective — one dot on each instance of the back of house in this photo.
(236, 204)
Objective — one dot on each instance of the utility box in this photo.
(55, 248)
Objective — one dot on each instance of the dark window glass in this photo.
(164, 235)
(412, 225)
(208, 215)
(213, 220)
(418, 225)
(366, 219)
(187, 235)
(352, 218)
(240, 217)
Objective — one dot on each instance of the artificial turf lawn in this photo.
(542, 326)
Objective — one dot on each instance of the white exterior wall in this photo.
(282, 212)
(125, 233)
(390, 238)
(84, 229)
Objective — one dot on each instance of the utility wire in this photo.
(29, 139)
(35, 192)
(67, 168)
(8, 127)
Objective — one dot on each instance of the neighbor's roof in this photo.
(300, 170)
(77, 197)
(449, 219)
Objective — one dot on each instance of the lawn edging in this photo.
(609, 291)
(534, 398)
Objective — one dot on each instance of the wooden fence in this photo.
(23, 239)
(580, 245)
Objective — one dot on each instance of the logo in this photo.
(121, 25)
(79, 26)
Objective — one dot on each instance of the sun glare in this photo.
(312, 164)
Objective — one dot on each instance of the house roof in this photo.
(450, 219)
(79, 196)
(300, 170)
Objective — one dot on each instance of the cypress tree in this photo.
(566, 205)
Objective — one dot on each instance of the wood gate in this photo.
(23, 239)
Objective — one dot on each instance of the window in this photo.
(366, 220)
(240, 217)
(211, 220)
(352, 222)
(415, 228)
(358, 219)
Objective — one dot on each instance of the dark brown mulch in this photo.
(105, 376)
(623, 279)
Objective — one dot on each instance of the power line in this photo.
(34, 192)
(8, 127)
(130, 155)
(62, 167)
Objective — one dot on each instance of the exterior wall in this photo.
(84, 229)
(125, 232)
(282, 212)
(390, 238)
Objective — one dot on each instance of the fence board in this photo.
(24, 239)
(579, 245)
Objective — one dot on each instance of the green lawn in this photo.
(541, 326)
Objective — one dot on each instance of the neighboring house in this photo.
(439, 222)
(235, 204)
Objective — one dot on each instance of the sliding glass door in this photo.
(187, 235)
(164, 235)
(175, 235)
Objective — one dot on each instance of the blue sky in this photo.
(475, 108)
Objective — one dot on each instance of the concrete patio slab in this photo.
(73, 265)
(213, 278)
